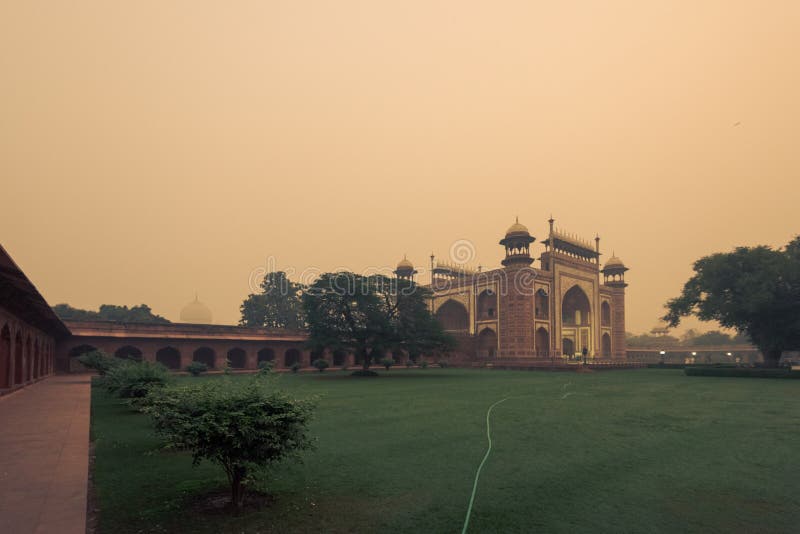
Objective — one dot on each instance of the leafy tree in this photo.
(242, 427)
(755, 290)
(368, 315)
(417, 331)
(277, 306)
(345, 312)
(110, 312)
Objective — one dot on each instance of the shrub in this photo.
(409, 363)
(741, 372)
(135, 380)
(345, 367)
(240, 426)
(320, 364)
(364, 372)
(296, 367)
(99, 361)
(387, 362)
(423, 364)
(197, 368)
(444, 364)
(227, 369)
(265, 367)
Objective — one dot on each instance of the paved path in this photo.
(44, 455)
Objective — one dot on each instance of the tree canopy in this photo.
(368, 315)
(110, 312)
(277, 306)
(755, 290)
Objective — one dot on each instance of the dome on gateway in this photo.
(405, 265)
(196, 312)
(517, 229)
(614, 263)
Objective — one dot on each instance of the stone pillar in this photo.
(251, 358)
(187, 355)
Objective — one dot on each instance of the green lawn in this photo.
(622, 451)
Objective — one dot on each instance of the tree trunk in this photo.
(237, 487)
(771, 357)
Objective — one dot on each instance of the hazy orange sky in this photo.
(152, 149)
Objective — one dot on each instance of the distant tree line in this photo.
(692, 338)
(110, 312)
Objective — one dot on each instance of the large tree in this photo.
(755, 290)
(110, 312)
(277, 306)
(368, 315)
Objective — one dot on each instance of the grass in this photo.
(617, 451)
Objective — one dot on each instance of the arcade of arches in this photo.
(178, 345)
(453, 316)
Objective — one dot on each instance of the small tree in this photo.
(387, 362)
(320, 364)
(295, 367)
(241, 427)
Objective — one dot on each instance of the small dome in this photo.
(614, 263)
(517, 229)
(196, 312)
(405, 265)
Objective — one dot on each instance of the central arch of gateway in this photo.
(176, 345)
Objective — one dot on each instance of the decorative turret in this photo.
(614, 272)
(517, 243)
(405, 269)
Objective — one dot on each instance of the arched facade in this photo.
(291, 357)
(206, 356)
(453, 316)
(605, 314)
(606, 346)
(487, 304)
(129, 352)
(5, 357)
(542, 342)
(487, 343)
(265, 355)
(237, 358)
(339, 358)
(169, 357)
(576, 309)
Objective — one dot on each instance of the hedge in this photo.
(741, 372)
